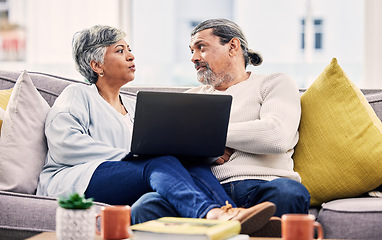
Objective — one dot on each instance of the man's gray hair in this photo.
(90, 44)
(226, 30)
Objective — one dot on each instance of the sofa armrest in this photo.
(24, 215)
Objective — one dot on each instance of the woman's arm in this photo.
(79, 129)
(70, 144)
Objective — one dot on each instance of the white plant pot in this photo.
(75, 224)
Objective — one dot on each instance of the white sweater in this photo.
(263, 128)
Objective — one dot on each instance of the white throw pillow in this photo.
(23, 145)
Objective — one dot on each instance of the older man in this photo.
(265, 116)
(257, 165)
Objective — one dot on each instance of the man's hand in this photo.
(227, 154)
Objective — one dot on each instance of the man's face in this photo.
(211, 58)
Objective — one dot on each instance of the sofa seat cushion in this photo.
(352, 218)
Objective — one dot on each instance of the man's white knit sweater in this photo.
(263, 128)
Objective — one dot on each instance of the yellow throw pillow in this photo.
(339, 153)
(4, 99)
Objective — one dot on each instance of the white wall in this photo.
(373, 44)
(153, 41)
(161, 37)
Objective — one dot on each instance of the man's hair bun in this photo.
(254, 58)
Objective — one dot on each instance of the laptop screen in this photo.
(180, 124)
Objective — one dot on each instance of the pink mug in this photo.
(115, 222)
(300, 227)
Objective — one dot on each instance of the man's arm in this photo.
(276, 129)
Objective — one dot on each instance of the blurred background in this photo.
(297, 37)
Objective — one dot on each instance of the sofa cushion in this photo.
(339, 153)
(352, 218)
(22, 144)
(4, 99)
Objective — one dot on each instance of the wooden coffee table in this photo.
(52, 236)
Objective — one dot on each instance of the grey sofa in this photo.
(24, 215)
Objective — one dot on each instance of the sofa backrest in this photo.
(375, 100)
(51, 86)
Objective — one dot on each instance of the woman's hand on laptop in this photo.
(227, 154)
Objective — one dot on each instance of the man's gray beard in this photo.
(207, 77)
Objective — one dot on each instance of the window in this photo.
(193, 24)
(303, 34)
(160, 35)
(12, 36)
(317, 31)
(318, 34)
(3, 11)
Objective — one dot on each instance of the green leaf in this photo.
(75, 201)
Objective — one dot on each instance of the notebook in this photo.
(186, 125)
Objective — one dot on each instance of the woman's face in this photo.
(118, 63)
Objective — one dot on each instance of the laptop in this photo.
(185, 125)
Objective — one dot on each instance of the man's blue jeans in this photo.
(288, 195)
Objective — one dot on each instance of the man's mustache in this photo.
(201, 64)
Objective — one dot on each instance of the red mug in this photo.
(115, 222)
(300, 227)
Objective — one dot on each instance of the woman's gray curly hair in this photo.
(226, 30)
(90, 44)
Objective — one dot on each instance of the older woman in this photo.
(89, 130)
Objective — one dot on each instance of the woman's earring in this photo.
(101, 74)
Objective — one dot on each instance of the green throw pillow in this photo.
(339, 153)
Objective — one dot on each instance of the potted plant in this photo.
(75, 218)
